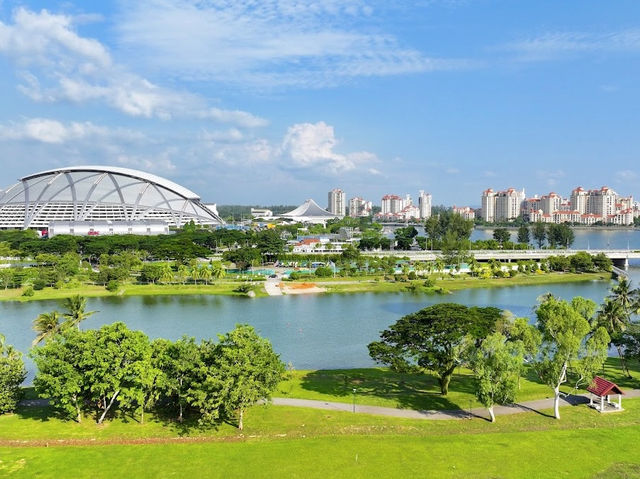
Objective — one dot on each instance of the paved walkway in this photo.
(525, 406)
(271, 286)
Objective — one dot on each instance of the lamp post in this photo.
(354, 400)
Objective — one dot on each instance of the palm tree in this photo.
(75, 306)
(627, 297)
(217, 270)
(614, 318)
(166, 275)
(46, 325)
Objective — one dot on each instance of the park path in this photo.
(525, 406)
(272, 286)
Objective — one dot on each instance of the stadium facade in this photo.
(99, 193)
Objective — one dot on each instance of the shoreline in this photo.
(223, 288)
(579, 228)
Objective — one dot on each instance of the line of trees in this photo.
(114, 370)
(568, 343)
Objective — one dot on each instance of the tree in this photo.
(501, 235)
(115, 371)
(242, 257)
(60, 376)
(523, 234)
(46, 325)
(12, 374)
(496, 365)
(179, 362)
(568, 338)
(560, 235)
(539, 233)
(433, 338)
(581, 262)
(249, 368)
(75, 310)
(615, 320)
(217, 270)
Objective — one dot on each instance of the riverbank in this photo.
(339, 285)
(223, 288)
(447, 285)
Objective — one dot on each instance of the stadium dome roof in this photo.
(93, 193)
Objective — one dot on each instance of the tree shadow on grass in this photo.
(408, 391)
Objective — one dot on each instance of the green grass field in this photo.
(456, 284)
(292, 442)
(224, 287)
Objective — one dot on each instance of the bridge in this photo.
(619, 257)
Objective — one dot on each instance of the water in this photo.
(311, 332)
(585, 238)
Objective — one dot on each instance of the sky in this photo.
(276, 101)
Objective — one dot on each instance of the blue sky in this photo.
(276, 101)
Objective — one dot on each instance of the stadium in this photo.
(100, 193)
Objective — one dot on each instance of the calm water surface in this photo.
(311, 332)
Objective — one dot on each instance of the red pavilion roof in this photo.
(602, 387)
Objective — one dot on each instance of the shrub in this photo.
(112, 286)
(243, 288)
(39, 284)
(413, 275)
(28, 292)
(323, 272)
(429, 283)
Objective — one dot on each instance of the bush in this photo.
(28, 292)
(243, 288)
(429, 283)
(323, 272)
(112, 286)
(39, 284)
(413, 275)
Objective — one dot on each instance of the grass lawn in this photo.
(455, 284)
(381, 387)
(223, 287)
(293, 442)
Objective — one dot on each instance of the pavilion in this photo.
(309, 212)
(603, 389)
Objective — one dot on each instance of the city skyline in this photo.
(273, 103)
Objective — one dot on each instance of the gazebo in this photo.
(603, 389)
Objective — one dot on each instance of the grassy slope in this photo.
(381, 387)
(455, 284)
(290, 442)
(219, 288)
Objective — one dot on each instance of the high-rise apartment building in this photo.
(580, 200)
(550, 203)
(359, 207)
(391, 204)
(337, 202)
(488, 210)
(424, 204)
(502, 206)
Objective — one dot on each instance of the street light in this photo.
(354, 400)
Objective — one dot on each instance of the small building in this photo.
(604, 389)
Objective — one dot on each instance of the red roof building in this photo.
(602, 388)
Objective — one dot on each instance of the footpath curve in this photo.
(525, 406)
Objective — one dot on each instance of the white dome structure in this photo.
(99, 193)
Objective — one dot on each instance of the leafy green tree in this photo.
(433, 338)
(12, 374)
(151, 272)
(523, 234)
(496, 365)
(269, 244)
(249, 368)
(568, 339)
(560, 235)
(46, 325)
(180, 362)
(501, 235)
(242, 257)
(75, 313)
(539, 232)
(115, 371)
(61, 375)
(581, 262)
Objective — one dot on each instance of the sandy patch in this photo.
(301, 288)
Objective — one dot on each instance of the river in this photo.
(310, 332)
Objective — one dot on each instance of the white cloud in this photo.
(627, 176)
(236, 117)
(267, 43)
(312, 145)
(57, 64)
(557, 44)
(45, 130)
